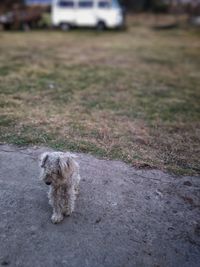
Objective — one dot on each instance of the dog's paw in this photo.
(68, 211)
(56, 218)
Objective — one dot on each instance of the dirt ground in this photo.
(123, 216)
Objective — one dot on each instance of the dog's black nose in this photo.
(48, 183)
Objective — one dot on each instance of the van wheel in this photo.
(65, 27)
(101, 26)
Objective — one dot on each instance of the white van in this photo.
(87, 13)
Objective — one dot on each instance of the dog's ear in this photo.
(43, 159)
(66, 163)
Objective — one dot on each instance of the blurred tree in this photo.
(135, 5)
(144, 5)
(8, 4)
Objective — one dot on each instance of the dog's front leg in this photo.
(56, 216)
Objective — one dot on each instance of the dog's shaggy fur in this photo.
(61, 172)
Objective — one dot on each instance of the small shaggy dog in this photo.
(61, 172)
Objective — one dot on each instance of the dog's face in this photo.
(56, 168)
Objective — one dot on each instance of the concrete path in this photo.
(123, 218)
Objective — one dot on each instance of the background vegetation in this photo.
(130, 95)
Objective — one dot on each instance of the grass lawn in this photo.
(131, 95)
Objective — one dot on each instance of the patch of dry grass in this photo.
(130, 95)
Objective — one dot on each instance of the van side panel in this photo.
(62, 13)
(86, 13)
(111, 17)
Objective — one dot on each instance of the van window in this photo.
(103, 4)
(85, 4)
(66, 4)
(115, 3)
